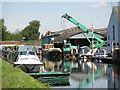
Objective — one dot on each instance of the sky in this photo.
(17, 15)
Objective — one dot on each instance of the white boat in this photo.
(28, 60)
(83, 51)
(101, 52)
(86, 53)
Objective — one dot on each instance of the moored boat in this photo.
(27, 60)
(84, 53)
(54, 54)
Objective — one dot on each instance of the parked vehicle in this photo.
(28, 60)
(70, 52)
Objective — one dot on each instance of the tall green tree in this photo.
(16, 36)
(31, 32)
(4, 34)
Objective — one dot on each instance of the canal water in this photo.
(81, 76)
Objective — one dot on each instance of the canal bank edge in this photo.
(0, 73)
(15, 78)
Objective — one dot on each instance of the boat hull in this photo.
(30, 67)
(54, 78)
(54, 54)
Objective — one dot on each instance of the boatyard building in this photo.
(113, 31)
(73, 35)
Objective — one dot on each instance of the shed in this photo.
(113, 31)
(76, 37)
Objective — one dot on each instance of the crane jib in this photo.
(82, 27)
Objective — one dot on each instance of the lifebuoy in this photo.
(111, 50)
(39, 56)
(38, 53)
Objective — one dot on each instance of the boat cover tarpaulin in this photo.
(26, 48)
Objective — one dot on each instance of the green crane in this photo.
(99, 43)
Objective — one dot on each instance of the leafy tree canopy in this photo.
(4, 34)
(31, 32)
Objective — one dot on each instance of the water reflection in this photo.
(52, 65)
(113, 76)
(82, 71)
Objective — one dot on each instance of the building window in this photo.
(113, 44)
(118, 44)
(108, 44)
(108, 37)
(112, 13)
(113, 32)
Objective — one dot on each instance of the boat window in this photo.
(99, 52)
(31, 53)
(23, 53)
(67, 46)
(86, 50)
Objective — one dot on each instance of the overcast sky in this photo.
(17, 15)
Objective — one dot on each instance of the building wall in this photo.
(119, 33)
(47, 40)
(113, 22)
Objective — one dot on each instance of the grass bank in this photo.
(15, 78)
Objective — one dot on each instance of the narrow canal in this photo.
(82, 73)
(105, 75)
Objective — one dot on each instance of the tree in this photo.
(31, 32)
(17, 36)
(4, 34)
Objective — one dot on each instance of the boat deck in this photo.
(54, 78)
(50, 74)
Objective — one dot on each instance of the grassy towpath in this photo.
(15, 78)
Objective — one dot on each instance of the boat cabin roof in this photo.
(26, 48)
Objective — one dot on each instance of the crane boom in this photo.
(102, 42)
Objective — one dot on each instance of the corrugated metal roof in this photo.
(102, 32)
(117, 10)
(81, 36)
(67, 33)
